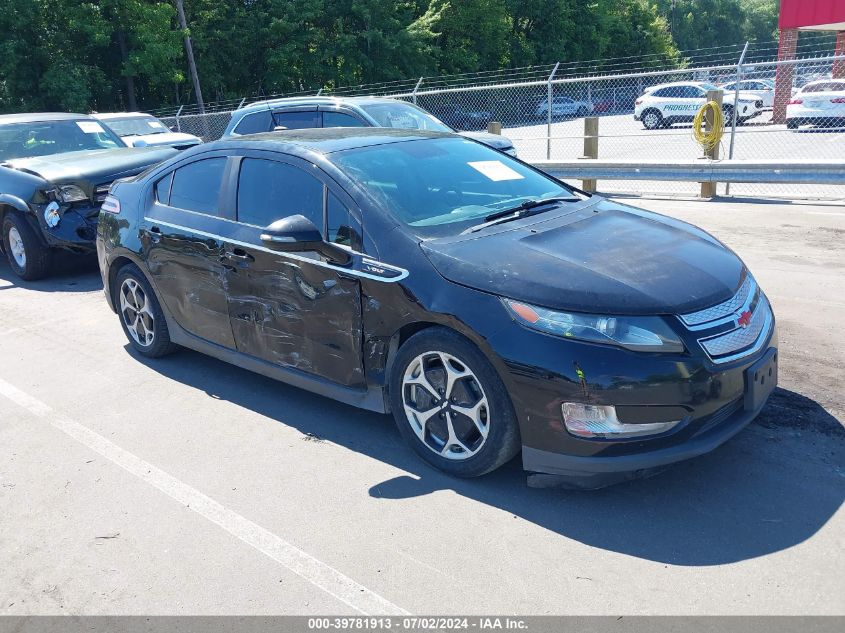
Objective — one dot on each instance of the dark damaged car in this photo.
(55, 171)
(489, 307)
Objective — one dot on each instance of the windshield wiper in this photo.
(520, 211)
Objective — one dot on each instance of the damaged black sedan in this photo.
(489, 307)
(55, 171)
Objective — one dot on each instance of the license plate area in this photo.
(760, 380)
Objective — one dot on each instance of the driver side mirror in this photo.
(297, 234)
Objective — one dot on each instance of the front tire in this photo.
(652, 120)
(28, 257)
(140, 314)
(450, 404)
(791, 124)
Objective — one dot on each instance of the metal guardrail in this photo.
(812, 172)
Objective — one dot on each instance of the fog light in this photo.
(595, 421)
(51, 214)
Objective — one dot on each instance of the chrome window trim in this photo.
(347, 271)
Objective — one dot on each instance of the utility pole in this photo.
(189, 52)
(672, 23)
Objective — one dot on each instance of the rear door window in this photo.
(296, 120)
(196, 186)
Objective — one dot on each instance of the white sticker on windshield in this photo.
(155, 124)
(495, 170)
(90, 127)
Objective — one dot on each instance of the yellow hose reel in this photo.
(709, 139)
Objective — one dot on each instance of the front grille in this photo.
(708, 317)
(101, 191)
(722, 334)
(741, 340)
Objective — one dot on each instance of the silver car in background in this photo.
(139, 129)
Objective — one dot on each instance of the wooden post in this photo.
(708, 189)
(494, 127)
(591, 148)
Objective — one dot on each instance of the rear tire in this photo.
(140, 314)
(28, 257)
(652, 120)
(450, 404)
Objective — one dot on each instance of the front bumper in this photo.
(76, 231)
(710, 398)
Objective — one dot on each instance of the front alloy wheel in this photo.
(451, 405)
(445, 405)
(16, 247)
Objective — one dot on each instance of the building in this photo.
(805, 15)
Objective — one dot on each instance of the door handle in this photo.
(238, 255)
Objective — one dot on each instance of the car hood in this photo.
(595, 257)
(92, 165)
(496, 141)
(165, 138)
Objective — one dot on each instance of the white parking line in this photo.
(304, 565)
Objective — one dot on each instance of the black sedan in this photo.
(488, 306)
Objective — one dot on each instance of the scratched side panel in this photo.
(191, 278)
(298, 315)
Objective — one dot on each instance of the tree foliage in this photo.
(114, 54)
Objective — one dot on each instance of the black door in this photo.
(185, 255)
(295, 310)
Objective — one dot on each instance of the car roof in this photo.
(105, 116)
(38, 117)
(304, 142)
(316, 100)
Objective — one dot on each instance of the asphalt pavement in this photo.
(188, 486)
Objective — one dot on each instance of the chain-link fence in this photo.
(784, 109)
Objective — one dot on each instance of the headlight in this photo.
(641, 334)
(71, 193)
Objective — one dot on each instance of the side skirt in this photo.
(371, 399)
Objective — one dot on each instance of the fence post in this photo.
(178, 123)
(591, 148)
(733, 117)
(549, 114)
(414, 93)
(708, 189)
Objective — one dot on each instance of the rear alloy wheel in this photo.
(652, 120)
(28, 257)
(140, 314)
(451, 406)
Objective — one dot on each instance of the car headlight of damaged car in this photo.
(71, 193)
(51, 214)
(641, 334)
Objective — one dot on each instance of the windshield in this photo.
(442, 186)
(43, 138)
(404, 116)
(137, 126)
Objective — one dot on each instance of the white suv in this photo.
(665, 104)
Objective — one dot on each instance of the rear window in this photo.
(829, 86)
(196, 186)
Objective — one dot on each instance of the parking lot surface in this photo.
(188, 486)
